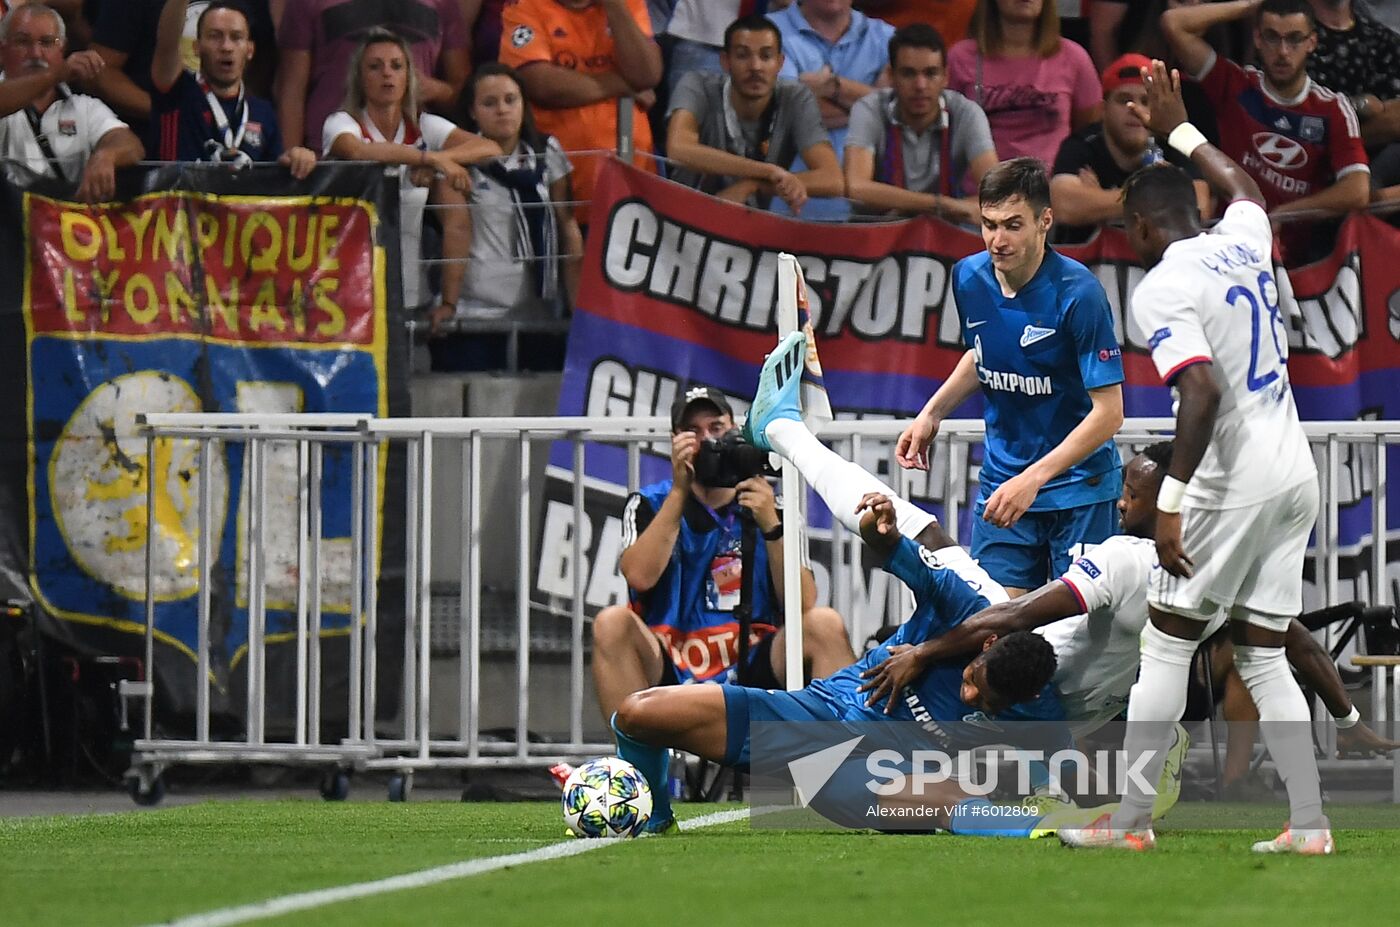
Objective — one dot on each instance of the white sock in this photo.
(840, 483)
(1286, 726)
(1155, 704)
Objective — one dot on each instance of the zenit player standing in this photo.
(1042, 348)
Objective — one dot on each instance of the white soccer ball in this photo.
(606, 797)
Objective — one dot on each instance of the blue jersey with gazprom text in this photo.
(1038, 354)
(943, 599)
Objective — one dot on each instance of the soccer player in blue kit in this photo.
(958, 702)
(1042, 348)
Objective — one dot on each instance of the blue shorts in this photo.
(1041, 545)
(811, 724)
(744, 706)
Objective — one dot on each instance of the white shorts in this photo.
(1248, 559)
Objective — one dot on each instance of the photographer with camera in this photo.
(688, 541)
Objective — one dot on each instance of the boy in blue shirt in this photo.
(1041, 347)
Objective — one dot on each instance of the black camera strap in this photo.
(748, 543)
(36, 126)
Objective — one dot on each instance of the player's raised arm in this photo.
(1185, 29)
(1165, 115)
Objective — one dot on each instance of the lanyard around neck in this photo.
(233, 138)
(40, 138)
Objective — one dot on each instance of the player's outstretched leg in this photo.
(775, 424)
(779, 385)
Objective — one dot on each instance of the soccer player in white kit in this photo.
(1240, 495)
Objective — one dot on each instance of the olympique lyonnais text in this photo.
(185, 263)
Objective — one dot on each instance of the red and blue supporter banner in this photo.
(198, 290)
(679, 288)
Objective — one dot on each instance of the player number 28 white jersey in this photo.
(1213, 298)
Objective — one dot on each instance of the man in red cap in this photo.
(1093, 164)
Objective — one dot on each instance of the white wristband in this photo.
(1350, 721)
(1169, 496)
(1186, 138)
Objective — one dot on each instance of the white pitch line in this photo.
(302, 901)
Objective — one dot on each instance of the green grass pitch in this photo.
(151, 866)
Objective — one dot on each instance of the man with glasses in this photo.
(1299, 141)
(43, 124)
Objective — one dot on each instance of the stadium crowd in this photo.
(828, 109)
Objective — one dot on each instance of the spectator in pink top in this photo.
(1035, 86)
(317, 39)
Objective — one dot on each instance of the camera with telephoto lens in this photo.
(728, 460)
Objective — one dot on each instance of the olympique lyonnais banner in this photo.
(200, 289)
(679, 288)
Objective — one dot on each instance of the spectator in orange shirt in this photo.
(575, 59)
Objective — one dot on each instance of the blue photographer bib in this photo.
(691, 607)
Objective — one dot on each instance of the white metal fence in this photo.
(408, 742)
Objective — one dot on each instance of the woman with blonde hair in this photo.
(381, 121)
(1035, 86)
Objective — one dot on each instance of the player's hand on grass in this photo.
(1170, 553)
(896, 673)
(1011, 500)
(911, 450)
(1360, 739)
(879, 504)
(683, 449)
(756, 495)
(1165, 108)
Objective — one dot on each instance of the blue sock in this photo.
(654, 763)
(977, 817)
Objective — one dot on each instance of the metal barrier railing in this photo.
(311, 436)
(411, 741)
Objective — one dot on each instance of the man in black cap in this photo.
(683, 561)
